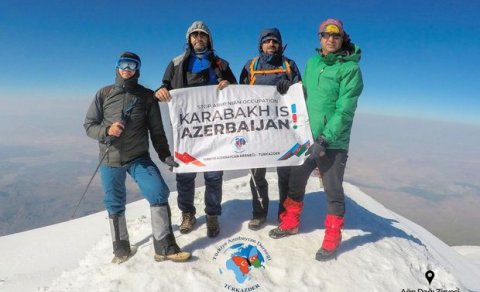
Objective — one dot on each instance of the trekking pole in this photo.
(109, 142)
(260, 199)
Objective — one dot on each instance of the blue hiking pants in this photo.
(144, 172)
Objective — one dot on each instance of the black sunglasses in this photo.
(327, 35)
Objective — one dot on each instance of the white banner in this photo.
(238, 127)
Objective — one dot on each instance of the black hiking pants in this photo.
(259, 187)
(332, 169)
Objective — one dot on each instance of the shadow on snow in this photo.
(236, 212)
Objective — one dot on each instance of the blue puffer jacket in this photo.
(266, 62)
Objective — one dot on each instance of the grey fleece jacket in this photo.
(106, 109)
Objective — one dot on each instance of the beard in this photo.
(199, 47)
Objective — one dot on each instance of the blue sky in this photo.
(420, 58)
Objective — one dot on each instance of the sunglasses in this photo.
(327, 35)
(270, 40)
(128, 64)
(197, 34)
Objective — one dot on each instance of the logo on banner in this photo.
(239, 143)
(187, 158)
(296, 150)
(240, 261)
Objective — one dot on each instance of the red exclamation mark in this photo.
(294, 115)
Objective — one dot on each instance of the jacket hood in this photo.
(272, 33)
(351, 53)
(199, 26)
(130, 84)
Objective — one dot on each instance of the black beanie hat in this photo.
(130, 55)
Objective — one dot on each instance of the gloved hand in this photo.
(283, 86)
(171, 163)
(318, 149)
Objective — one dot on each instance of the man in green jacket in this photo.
(333, 83)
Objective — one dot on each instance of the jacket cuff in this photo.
(103, 134)
(163, 86)
(322, 140)
(163, 157)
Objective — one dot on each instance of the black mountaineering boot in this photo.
(121, 244)
(325, 255)
(256, 223)
(279, 232)
(213, 228)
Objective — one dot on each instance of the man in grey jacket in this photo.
(121, 117)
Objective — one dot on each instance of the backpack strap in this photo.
(217, 66)
(288, 69)
(253, 70)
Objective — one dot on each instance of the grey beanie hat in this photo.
(199, 26)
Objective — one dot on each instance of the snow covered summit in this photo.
(380, 251)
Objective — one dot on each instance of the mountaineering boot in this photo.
(164, 242)
(188, 221)
(332, 238)
(256, 223)
(167, 249)
(213, 228)
(120, 241)
(279, 232)
(289, 219)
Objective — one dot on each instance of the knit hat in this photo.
(130, 55)
(332, 26)
(270, 34)
(199, 26)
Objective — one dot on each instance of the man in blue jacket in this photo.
(197, 66)
(270, 67)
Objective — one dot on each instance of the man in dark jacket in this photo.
(197, 66)
(270, 67)
(121, 117)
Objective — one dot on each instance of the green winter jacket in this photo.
(333, 84)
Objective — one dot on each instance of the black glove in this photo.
(171, 163)
(318, 149)
(283, 86)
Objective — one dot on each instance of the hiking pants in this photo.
(283, 179)
(259, 188)
(144, 172)
(213, 192)
(332, 169)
